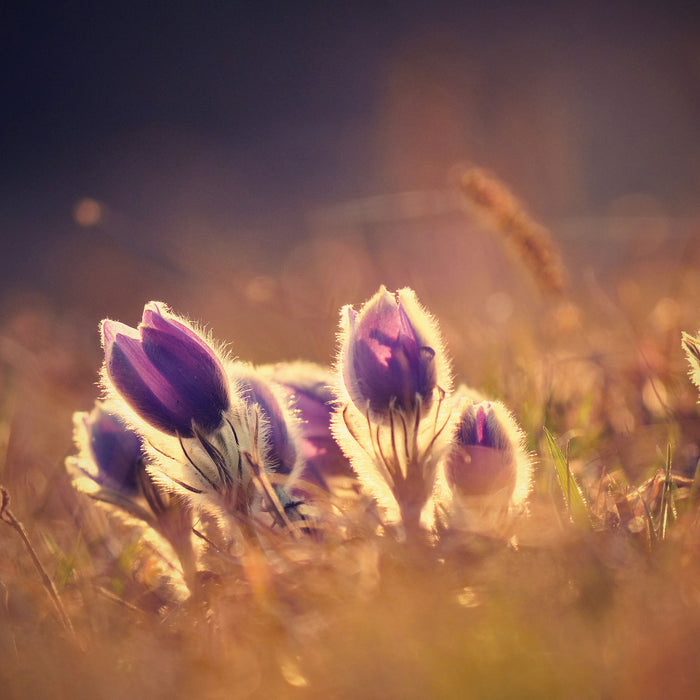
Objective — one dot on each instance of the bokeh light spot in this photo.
(87, 212)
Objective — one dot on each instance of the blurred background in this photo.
(258, 167)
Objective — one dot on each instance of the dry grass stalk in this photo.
(9, 518)
(500, 211)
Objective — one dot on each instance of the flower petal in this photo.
(115, 450)
(256, 391)
(477, 470)
(192, 374)
(140, 383)
(386, 363)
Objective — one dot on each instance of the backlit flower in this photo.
(391, 421)
(691, 345)
(166, 372)
(308, 386)
(111, 453)
(389, 354)
(482, 458)
(256, 392)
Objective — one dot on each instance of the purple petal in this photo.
(140, 384)
(476, 470)
(481, 426)
(166, 372)
(156, 316)
(308, 386)
(192, 373)
(282, 455)
(115, 449)
(314, 413)
(322, 455)
(387, 362)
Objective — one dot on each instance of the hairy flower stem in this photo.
(8, 517)
(181, 542)
(411, 493)
(410, 516)
(188, 562)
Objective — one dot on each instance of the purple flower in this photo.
(255, 390)
(308, 386)
(114, 449)
(482, 458)
(168, 375)
(388, 358)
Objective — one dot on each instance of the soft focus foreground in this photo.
(595, 592)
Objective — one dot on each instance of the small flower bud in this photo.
(482, 458)
(111, 468)
(166, 372)
(114, 451)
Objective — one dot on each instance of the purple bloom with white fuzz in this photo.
(391, 418)
(166, 372)
(111, 468)
(308, 386)
(482, 458)
(255, 390)
(388, 357)
(115, 450)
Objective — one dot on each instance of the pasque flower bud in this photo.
(486, 473)
(168, 374)
(390, 419)
(111, 467)
(482, 457)
(255, 390)
(388, 354)
(114, 451)
(309, 386)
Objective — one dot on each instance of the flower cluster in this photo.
(215, 432)
(418, 447)
(184, 432)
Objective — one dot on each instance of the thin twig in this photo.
(568, 475)
(8, 517)
(666, 493)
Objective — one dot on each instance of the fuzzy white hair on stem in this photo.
(394, 453)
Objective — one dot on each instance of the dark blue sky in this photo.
(80, 75)
(250, 113)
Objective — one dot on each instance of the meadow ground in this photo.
(594, 599)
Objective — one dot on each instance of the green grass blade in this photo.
(571, 489)
(694, 487)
